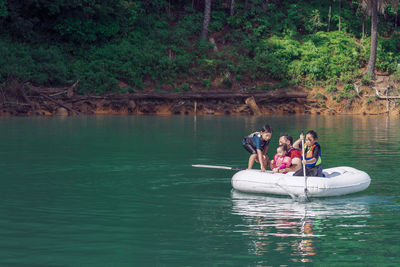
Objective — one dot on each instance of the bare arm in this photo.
(265, 150)
(260, 158)
(297, 143)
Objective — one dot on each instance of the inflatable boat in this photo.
(337, 181)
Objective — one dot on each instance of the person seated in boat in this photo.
(257, 145)
(293, 153)
(312, 153)
(281, 159)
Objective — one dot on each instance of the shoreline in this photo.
(23, 99)
(202, 108)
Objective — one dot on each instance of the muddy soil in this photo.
(21, 99)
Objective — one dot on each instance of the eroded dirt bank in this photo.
(380, 98)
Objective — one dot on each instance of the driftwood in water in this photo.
(216, 95)
(251, 102)
(53, 100)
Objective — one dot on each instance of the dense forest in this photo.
(182, 45)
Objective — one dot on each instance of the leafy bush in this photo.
(132, 62)
(328, 55)
(332, 89)
(320, 57)
(43, 65)
(396, 74)
(348, 88)
(366, 79)
(273, 57)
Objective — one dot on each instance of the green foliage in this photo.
(366, 79)
(218, 19)
(324, 56)
(129, 61)
(155, 42)
(274, 55)
(207, 83)
(331, 89)
(347, 93)
(396, 74)
(227, 83)
(348, 88)
(370, 100)
(314, 22)
(185, 87)
(40, 65)
(3, 9)
(319, 95)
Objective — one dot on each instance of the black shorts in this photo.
(315, 171)
(249, 148)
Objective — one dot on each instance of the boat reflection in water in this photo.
(278, 225)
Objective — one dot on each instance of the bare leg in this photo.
(296, 165)
(251, 161)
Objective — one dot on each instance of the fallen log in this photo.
(215, 95)
(53, 100)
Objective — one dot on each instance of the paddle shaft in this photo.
(222, 167)
(304, 166)
(218, 167)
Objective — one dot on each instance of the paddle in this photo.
(218, 167)
(304, 168)
(222, 167)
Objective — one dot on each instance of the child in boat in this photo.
(281, 160)
(293, 153)
(312, 153)
(257, 145)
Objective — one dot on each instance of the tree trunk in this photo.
(232, 8)
(374, 39)
(363, 28)
(340, 11)
(329, 17)
(206, 21)
(265, 5)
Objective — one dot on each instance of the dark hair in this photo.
(284, 148)
(313, 134)
(288, 137)
(267, 129)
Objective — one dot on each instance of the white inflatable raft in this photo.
(337, 181)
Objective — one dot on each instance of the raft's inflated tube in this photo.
(337, 181)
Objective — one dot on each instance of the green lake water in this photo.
(120, 191)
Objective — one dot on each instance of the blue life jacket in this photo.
(310, 152)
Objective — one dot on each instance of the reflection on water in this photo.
(281, 224)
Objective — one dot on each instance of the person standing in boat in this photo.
(312, 153)
(293, 153)
(257, 145)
